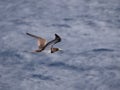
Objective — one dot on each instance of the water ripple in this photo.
(102, 50)
(61, 25)
(42, 77)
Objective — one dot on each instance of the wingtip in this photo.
(27, 33)
(57, 36)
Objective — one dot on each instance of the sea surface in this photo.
(90, 56)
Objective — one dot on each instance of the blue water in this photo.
(90, 56)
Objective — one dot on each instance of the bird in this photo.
(43, 44)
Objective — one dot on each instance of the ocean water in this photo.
(90, 56)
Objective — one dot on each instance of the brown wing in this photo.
(41, 41)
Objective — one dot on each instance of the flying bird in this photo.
(43, 44)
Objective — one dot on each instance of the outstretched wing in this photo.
(41, 41)
(53, 42)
